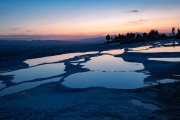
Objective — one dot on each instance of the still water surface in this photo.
(102, 70)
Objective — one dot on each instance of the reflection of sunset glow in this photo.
(161, 49)
(78, 19)
(140, 48)
(56, 58)
(109, 72)
(114, 52)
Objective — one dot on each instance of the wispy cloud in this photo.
(137, 21)
(28, 31)
(133, 11)
(15, 29)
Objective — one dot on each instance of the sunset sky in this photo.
(77, 19)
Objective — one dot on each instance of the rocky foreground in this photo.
(45, 102)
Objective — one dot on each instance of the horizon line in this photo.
(67, 37)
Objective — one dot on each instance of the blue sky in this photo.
(70, 18)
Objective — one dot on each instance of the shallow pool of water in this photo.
(158, 82)
(32, 62)
(32, 73)
(111, 63)
(90, 70)
(25, 86)
(117, 80)
(168, 81)
(109, 72)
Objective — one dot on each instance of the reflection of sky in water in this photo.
(118, 74)
(25, 86)
(157, 82)
(166, 59)
(121, 80)
(107, 71)
(41, 71)
(80, 60)
(140, 48)
(110, 63)
(176, 75)
(168, 81)
(145, 105)
(161, 49)
(114, 52)
(56, 58)
(110, 72)
(175, 43)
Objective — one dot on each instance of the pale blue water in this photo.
(118, 80)
(37, 72)
(109, 72)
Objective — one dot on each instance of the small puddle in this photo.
(114, 52)
(145, 105)
(152, 82)
(139, 48)
(176, 43)
(168, 81)
(166, 59)
(160, 49)
(75, 61)
(176, 75)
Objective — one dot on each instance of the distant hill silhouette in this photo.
(34, 42)
(93, 40)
